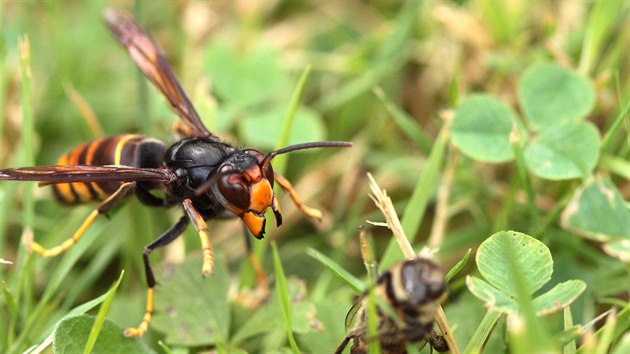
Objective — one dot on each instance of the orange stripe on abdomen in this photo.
(107, 151)
(89, 157)
(63, 191)
(81, 190)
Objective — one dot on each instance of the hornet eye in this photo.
(234, 190)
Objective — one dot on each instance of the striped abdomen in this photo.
(127, 150)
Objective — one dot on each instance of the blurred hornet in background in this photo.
(207, 177)
(407, 300)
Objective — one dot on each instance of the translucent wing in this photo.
(353, 317)
(154, 65)
(81, 173)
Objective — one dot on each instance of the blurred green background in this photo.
(385, 75)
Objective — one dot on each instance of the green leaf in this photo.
(71, 336)
(303, 319)
(188, 306)
(525, 330)
(532, 258)
(330, 312)
(597, 211)
(261, 130)
(244, 75)
(619, 249)
(561, 296)
(481, 128)
(564, 151)
(494, 299)
(550, 94)
(79, 310)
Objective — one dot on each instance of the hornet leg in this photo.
(286, 185)
(202, 229)
(103, 208)
(166, 238)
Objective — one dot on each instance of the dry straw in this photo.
(384, 203)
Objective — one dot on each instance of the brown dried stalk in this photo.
(384, 203)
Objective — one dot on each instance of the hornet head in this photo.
(243, 183)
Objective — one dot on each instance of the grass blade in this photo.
(606, 338)
(458, 267)
(79, 310)
(354, 283)
(622, 325)
(283, 298)
(602, 24)
(526, 331)
(102, 314)
(617, 123)
(10, 302)
(390, 58)
(279, 163)
(142, 86)
(414, 212)
(483, 331)
(570, 347)
(405, 123)
(515, 141)
(66, 264)
(372, 324)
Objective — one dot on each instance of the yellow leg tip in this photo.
(208, 262)
(206, 269)
(135, 332)
(206, 272)
(35, 247)
(313, 213)
(140, 330)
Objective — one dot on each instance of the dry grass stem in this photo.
(87, 113)
(367, 255)
(384, 203)
(441, 209)
(442, 323)
(365, 250)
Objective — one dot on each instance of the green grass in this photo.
(388, 76)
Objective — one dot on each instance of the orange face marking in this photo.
(255, 223)
(260, 196)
